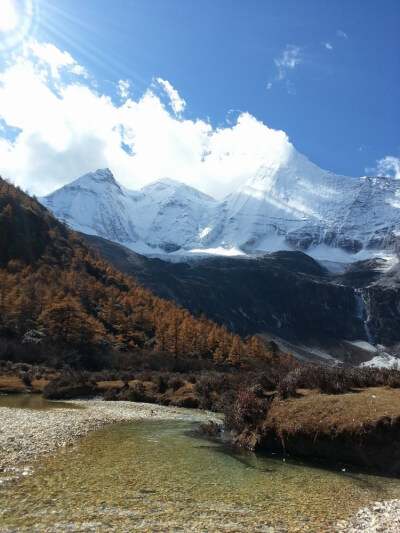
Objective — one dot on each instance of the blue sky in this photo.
(324, 72)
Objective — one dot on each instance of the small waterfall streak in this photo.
(362, 314)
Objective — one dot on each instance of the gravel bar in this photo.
(380, 517)
(27, 434)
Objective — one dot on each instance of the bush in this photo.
(111, 394)
(161, 383)
(268, 380)
(257, 390)
(246, 412)
(175, 383)
(136, 393)
(68, 386)
(211, 429)
(334, 381)
(33, 337)
(26, 379)
(393, 379)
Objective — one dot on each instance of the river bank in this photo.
(26, 434)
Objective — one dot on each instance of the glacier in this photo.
(290, 204)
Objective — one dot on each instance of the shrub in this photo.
(26, 379)
(334, 381)
(393, 379)
(246, 412)
(136, 393)
(161, 383)
(175, 383)
(257, 390)
(68, 386)
(111, 394)
(33, 337)
(126, 377)
(287, 386)
(268, 380)
(189, 402)
(211, 429)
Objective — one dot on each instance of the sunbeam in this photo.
(60, 23)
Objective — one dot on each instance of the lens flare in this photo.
(17, 22)
(8, 16)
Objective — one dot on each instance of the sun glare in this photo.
(17, 22)
(8, 15)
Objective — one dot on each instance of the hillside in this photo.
(287, 295)
(61, 303)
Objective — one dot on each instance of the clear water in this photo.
(153, 476)
(33, 401)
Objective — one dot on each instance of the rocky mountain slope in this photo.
(291, 205)
(285, 295)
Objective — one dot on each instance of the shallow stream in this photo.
(33, 401)
(155, 476)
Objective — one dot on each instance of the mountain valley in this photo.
(297, 254)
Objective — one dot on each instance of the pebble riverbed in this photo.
(26, 435)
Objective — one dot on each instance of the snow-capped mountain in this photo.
(162, 217)
(298, 205)
(290, 205)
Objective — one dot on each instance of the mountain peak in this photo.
(175, 187)
(101, 181)
(163, 183)
(102, 175)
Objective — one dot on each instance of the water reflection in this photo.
(33, 401)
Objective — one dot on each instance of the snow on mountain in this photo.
(288, 204)
(168, 215)
(160, 218)
(305, 207)
(94, 204)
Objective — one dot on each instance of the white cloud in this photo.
(389, 166)
(66, 128)
(123, 87)
(51, 56)
(328, 45)
(287, 61)
(177, 103)
(342, 34)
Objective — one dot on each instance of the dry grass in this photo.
(39, 384)
(184, 396)
(315, 413)
(183, 392)
(11, 384)
(107, 384)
